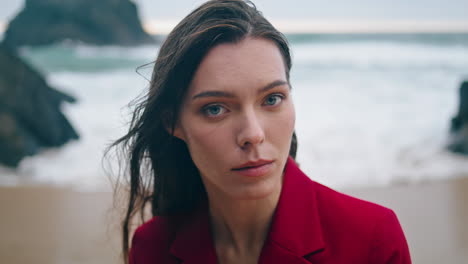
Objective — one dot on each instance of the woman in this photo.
(211, 149)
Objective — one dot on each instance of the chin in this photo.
(258, 191)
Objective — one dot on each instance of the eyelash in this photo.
(206, 108)
(281, 97)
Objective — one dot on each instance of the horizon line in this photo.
(164, 26)
(290, 26)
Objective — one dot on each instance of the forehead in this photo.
(252, 62)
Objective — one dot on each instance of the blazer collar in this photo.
(296, 223)
(295, 230)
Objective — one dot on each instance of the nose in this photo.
(251, 131)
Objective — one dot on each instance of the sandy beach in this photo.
(434, 216)
(41, 224)
(57, 225)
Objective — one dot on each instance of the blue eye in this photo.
(273, 99)
(213, 110)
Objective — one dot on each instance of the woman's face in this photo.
(237, 119)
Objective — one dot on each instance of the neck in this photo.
(242, 225)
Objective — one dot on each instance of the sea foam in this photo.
(370, 110)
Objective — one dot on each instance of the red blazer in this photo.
(312, 224)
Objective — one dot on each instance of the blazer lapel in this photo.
(295, 230)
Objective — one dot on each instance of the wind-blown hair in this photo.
(161, 171)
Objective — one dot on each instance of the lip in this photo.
(254, 168)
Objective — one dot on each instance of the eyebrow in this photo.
(231, 95)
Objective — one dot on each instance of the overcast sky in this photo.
(329, 10)
(332, 9)
(307, 9)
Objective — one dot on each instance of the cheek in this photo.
(282, 125)
(206, 142)
(290, 118)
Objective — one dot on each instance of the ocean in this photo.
(372, 109)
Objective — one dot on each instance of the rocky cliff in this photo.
(459, 125)
(97, 22)
(30, 115)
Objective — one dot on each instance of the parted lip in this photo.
(253, 164)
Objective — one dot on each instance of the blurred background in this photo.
(378, 88)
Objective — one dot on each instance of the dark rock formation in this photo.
(97, 22)
(459, 125)
(30, 116)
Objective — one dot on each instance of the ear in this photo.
(178, 132)
(175, 131)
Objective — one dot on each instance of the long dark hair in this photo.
(161, 171)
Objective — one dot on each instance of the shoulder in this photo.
(156, 230)
(152, 240)
(330, 204)
(351, 222)
(334, 203)
(343, 211)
